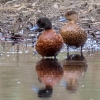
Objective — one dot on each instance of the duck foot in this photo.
(81, 51)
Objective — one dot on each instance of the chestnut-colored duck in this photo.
(73, 35)
(49, 42)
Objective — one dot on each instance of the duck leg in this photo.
(67, 51)
(81, 50)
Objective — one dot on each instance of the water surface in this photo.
(27, 77)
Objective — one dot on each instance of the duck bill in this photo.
(34, 28)
(63, 19)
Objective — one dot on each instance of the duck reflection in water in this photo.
(75, 67)
(49, 72)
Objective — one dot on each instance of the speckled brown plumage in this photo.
(49, 43)
(73, 35)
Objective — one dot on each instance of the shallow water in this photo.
(26, 77)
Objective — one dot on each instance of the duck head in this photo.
(71, 16)
(42, 23)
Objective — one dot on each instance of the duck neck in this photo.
(73, 22)
(48, 30)
(48, 27)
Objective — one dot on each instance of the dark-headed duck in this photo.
(49, 42)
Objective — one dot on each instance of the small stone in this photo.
(82, 85)
(18, 82)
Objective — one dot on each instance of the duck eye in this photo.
(41, 21)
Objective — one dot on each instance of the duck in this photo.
(73, 35)
(49, 43)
